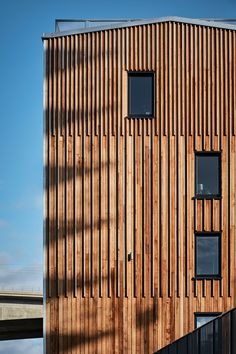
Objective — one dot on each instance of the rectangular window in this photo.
(141, 95)
(207, 253)
(203, 317)
(208, 172)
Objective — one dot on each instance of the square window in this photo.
(207, 251)
(205, 317)
(208, 172)
(141, 95)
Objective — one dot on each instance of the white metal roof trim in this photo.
(208, 23)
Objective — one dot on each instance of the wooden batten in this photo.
(121, 212)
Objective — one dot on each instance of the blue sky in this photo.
(21, 139)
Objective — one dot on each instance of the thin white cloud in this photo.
(31, 202)
(5, 258)
(19, 278)
(38, 201)
(3, 223)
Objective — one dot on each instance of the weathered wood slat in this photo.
(120, 210)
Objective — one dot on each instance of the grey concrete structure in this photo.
(20, 305)
(21, 315)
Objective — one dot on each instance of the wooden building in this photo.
(140, 182)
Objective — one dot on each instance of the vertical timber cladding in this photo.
(116, 185)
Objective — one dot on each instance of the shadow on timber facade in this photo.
(140, 161)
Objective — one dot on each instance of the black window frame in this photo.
(208, 276)
(205, 314)
(208, 196)
(142, 73)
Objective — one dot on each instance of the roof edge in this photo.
(203, 22)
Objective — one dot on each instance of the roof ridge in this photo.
(201, 22)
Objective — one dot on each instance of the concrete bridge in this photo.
(21, 315)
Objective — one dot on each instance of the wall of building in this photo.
(116, 185)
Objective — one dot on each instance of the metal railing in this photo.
(65, 25)
(215, 337)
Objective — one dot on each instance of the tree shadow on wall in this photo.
(78, 224)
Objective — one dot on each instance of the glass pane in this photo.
(141, 95)
(201, 320)
(207, 174)
(206, 335)
(207, 257)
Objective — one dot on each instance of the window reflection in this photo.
(208, 174)
(141, 95)
(203, 319)
(207, 255)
